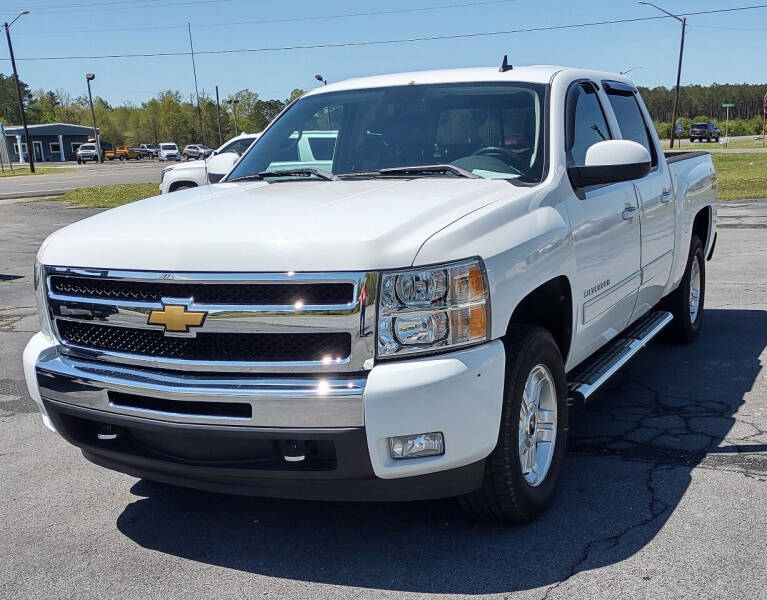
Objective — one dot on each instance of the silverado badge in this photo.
(176, 318)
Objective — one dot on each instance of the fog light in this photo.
(416, 446)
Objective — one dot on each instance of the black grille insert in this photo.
(235, 347)
(205, 293)
(192, 408)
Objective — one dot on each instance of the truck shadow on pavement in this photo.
(629, 463)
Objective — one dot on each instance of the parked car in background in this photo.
(149, 150)
(193, 173)
(407, 316)
(169, 151)
(704, 131)
(122, 153)
(87, 152)
(196, 151)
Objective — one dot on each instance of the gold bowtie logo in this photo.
(176, 318)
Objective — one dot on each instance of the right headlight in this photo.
(41, 294)
(432, 308)
(163, 172)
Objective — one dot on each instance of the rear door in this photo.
(605, 231)
(655, 193)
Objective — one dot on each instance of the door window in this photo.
(586, 123)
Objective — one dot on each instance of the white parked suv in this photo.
(193, 173)
(408, 315)
(169, 151)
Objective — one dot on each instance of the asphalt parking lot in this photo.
(663, 494)
(109, 173)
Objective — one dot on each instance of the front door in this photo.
(605, 234)
(38, 148)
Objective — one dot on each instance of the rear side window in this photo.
(631, 121)
(586, 123)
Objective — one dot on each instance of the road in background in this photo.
(26, 186)
(663, 491)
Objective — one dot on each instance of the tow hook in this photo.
(293, 450)
(106, 432)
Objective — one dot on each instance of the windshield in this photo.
(87, 146)
(168, 147)
(491, 130)
(702, 125)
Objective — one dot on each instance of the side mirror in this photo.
(611, 161)
(219, 165)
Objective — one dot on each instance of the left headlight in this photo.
(41, 294)
(433, 308)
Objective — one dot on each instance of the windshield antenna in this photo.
(505, 66)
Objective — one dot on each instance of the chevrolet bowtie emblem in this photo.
(176, 318)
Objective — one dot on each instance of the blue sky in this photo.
(719, 48)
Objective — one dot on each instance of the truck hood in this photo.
(189, 164)
(285, 226)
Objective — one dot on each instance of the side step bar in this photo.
(588, 377)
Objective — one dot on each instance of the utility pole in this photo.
(683, 21)
(218, 118)
(764, 118)
(88, 78)
(194, 70)
(30, 150)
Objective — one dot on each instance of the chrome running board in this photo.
(589, 376)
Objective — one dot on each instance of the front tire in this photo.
(686, 302)
(522, 471)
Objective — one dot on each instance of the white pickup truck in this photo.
(408, 320)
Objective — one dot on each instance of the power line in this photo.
(281, 20)
(391, 41)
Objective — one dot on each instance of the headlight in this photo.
(162, 173)
(41, 294)
(435, 308)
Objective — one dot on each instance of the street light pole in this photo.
(18, 92)
(683, 21)
(88, 78)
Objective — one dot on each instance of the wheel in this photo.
(686, 302)
(522, 471)
(79, 162)
(183, 186)
(717, 139)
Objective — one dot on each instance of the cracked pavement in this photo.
(663, 492)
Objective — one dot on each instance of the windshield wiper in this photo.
(303, 171)
(423, 170)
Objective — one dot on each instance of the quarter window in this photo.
(631, 121)
(586, 123)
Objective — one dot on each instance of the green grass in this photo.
(38, 171)
(741, 176)
(109, 196)
(713, 146)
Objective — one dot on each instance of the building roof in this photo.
(50, 129)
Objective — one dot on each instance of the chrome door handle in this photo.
(630, 212)
(665, 196)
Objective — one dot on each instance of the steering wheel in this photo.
(501, 154)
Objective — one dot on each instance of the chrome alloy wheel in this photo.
(537, 425)
(694, 288)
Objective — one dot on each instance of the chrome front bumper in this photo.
(179, 398)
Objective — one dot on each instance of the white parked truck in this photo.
(195, 173)
(410, 320)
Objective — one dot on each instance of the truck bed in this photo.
(672, 157)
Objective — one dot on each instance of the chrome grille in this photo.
(271, 322)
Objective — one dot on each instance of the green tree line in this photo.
(704, 103)
(168, 117)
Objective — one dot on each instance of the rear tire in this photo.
(533, 431)
(686, 302)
